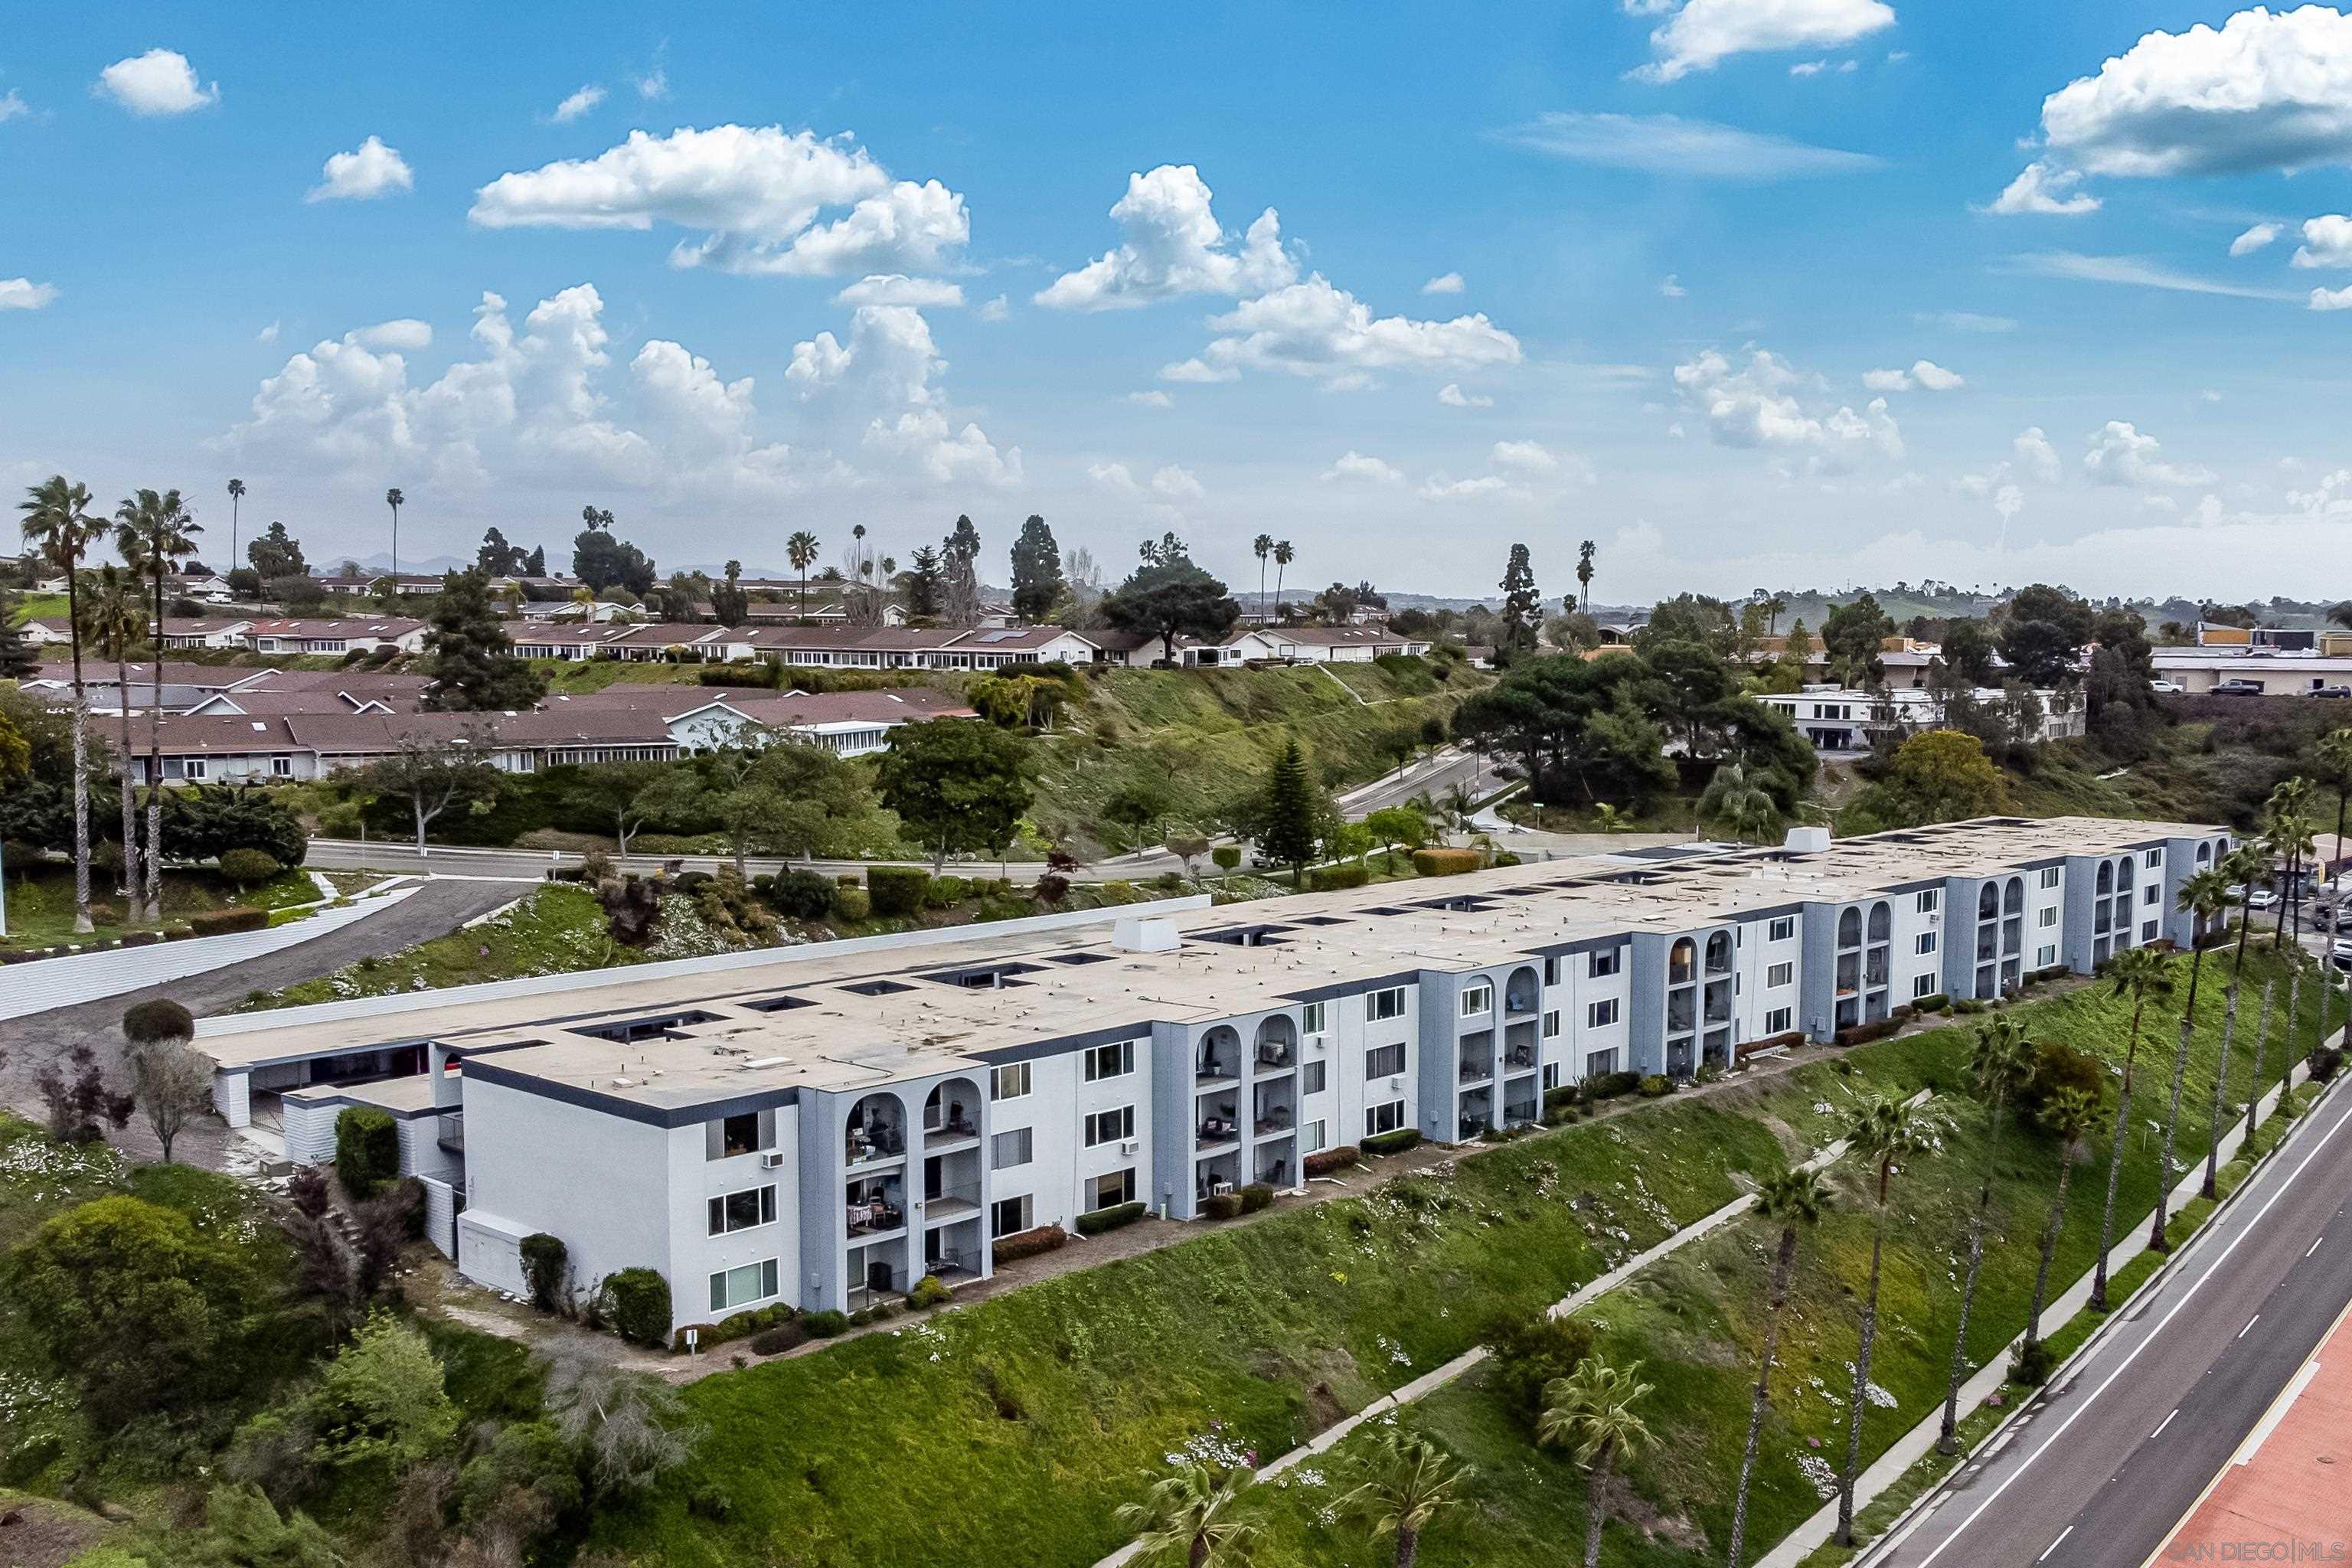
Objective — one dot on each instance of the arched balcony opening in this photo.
(876, 1129)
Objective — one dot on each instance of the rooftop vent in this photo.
(1247, 936)
(1078, 958)
(629, 1031)
(877, 987)
(779, 1004)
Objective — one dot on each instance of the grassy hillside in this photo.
(1009, 1432)
(1205, 734)
(2216, 763)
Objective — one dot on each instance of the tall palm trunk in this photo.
(1946, 1439)
(2293, 1018)
(1596, 1505)
(82, 925)
(2287, 903)
(132, 913)
(2114, 1167)
(2261, 1038)
(2221, 1072)
(2156, 1241)
(1858, 1400)
(1408, 1545)
(1784, 1268)
(2050, 1230)
(155, 764)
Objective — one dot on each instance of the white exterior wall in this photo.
(1584, 988)
(1066, 1076)
(696, 1254)
(2045, 903)
(1906, 963)
(1759, 956)
(1349, 1093)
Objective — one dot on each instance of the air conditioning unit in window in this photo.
(1934, 920)
(773, 1159)
(1132, 1146)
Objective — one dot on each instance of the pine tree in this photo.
(17, 661)
(924, 586)
(1521, 603)
(1036, 572)
(1291, 826)
(474, 663)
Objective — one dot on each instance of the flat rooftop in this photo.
(809, 1017)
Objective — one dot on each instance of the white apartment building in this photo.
(825, 1124)
(1844, 719)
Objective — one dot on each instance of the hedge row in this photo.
(1023, 1243)
(1330, 1160)
(897, 890)
(1445, 862)
(1395, 1143)
(220, 922)
(1101, 1220)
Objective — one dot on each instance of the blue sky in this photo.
(1796, 292)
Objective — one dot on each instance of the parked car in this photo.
(2340, 950)
(2345, 692)
(2238, 688)
(2261, 898)
(2168, 688)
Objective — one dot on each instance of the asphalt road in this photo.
(2096, 1474)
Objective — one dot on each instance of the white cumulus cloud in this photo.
(160, 82)
(1923, 375)
(1314, 329)
(1453, 396)
(13, 106)
(1760, 404)
(405, 332)
(1704, 32)
(2331, 298)
(1443, 283)
(2253, 239)
(1355, 465)
(755, 194)
(1152, 399)
(1177, 483)
(579, 103)
(366, 171)
(24, 294)
(1671, 289)
(1439, 487)
(1170, 245)
(2043, 189)
(1527, 456)
(2118, 454)
(2327, 242)
(2036, 456)
(897, 288)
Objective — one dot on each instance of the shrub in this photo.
(691, 882)
(930, 1291)
(897, 890)
(1330, 1160)
(1968, 1004)
(847, 880)
(152, 1023)
(1934, 1002)
(1330, 879)
(1053, 888)
(803, 895)
(1029, 1243)
(1395, 1143)
(852, 903)
(736, 675)
(2030, 1366)
(1505, 857)
(780, 1339)
(246, 867)
(1610, 1085)
(946, 892)
(825, 1324)
(1444, 862)
(1557, 1099)
(639, 1306)
(220, 922)
(1256, 1196)
(1222, 1205)
(2325, 1063)
(367, 1151)
(1096, 1221)
(545, 1260)
(1228, 856)
(1527, 1353)
(1656, 1086)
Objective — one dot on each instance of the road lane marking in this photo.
(2190, 1294)
(2163, 1424)
(2054, 1546)
(2315, 1244)
(2250, 1323)
(2277, 1412)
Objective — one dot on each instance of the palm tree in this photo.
(801, 550)
(2070, 1112)
(59, 528)
(1264, 545)
(2000, 1064)
(113, 623)
(2334, 755)
(1187, 1511)
(2204, 894)
(2138, 972)
(1776, 606)
(2241, 867)
(2286, 834)
(1885, 1132)
(236, 500)
(153, 533)
(1408, 1482)
(394, 499)
(1796, 1199)
(1590, 1412)
(1283, 556)
(1584, 576)
(2261, 1038)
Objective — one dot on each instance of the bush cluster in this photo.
(801, 895)
(1256, 1196)
(1330, 1160)
(852, 904)
(1395, 1143)
(1029, 1243)
(1347, 874)
(1222, 1206)
(637, 1301)
(897, 890)
(930, 1291)
(1934, 1002)
(1656, 1086)
(367, 1151)
(1444, 862)
(1610, 1085)
(545, 1263)
(825, 1324)
(220, 922)
(1097, 1221)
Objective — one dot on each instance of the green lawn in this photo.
(1010, 1432)
(41, 901)
(556, 929)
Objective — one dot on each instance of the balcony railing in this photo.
(1477, 1070)
(950, 1203)
(869, 1145)
(1214, 1067)
(1216, 1129)
(451, 1133)
(1521, 1060)
(1274, 1120)
(951, 1260)
(1273, 1056)
(876, 1217)
(949, 1128)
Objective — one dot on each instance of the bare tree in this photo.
(172, 1081)
(432, 771)
(628, 1422)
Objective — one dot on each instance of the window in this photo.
(1313, 1018)
(1604, 961)
(1930, 898)
(1923, 984)
(2045, 956)
(1317, 1136)
(1387, 1004)
(1007, 1150)
(281, 767)
(1599, 1063)
(2152, 859)
(1009, 1082)
(2147, 930)
(1777, 1022)
(1477, 999)
(2049, 875)
(1110, 1126)
(739, 1135)
(1551, 1025)
(1311, 1079)
(1551, 969)
(1111, 1061)
(1601, 1014)
(2152, 892)
(1008, 1216)
(1380, 1119)
(1779, 975)
(1551, 1076)
(2047, 918)
(1782, 930)
(1110, 1191)
(1924, 944)
(193, 768)
(1384, 1061)
(733, 1287)
(741, 1211)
